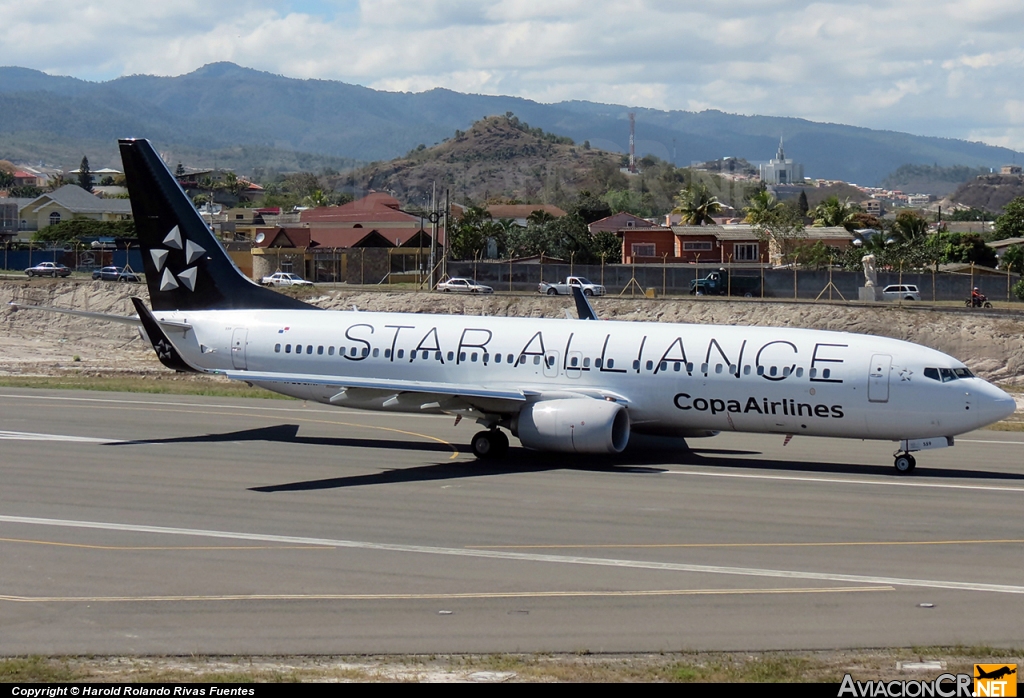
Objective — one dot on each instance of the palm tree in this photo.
(696, 204)
(762, 205)
(833, 213)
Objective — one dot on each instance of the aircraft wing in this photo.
(446, 397)
(382, 384)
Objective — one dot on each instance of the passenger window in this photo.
(485, 357)
(597, 363)
(309, 348)
(536, 359)
(826, 372)
(718, 368)
(472, 357)
(287, 348)
(785, 372)
(800, 372)
(401, 353)
(574, 361)
(650, 365)
(451, 356)
(462, 356)
(677, 366)
(746, 370)
(689, 367)
(320, 349)
(760, 370)
(732, 368)
(387, 353)
(330, 351)
(636, 364)
(611, 363)
(813, 373)
(437, 355)
(586, 362)
(366, 352)
(663, 366)
(703, 368)
(773, 370)
(277, 348)
(376, 352)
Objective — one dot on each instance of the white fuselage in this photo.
(674, 379)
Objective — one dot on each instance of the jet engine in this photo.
(573, 425)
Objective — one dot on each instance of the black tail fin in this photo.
(186, 267)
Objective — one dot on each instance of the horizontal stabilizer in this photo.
(124, 319)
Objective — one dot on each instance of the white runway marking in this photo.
(844, 481)
(28, 436)
(527, 557)
(311, 407)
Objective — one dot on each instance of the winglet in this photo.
(165, 351)
(583, 307)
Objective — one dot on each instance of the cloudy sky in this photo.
(950, 68)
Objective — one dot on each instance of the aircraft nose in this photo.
(994, 404)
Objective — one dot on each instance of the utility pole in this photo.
(632, 142)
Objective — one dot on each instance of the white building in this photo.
(782, 171)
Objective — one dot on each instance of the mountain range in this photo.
(243, 118)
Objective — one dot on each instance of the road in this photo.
(149, 524)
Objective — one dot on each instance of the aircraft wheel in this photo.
(905, 464)
(488, 445)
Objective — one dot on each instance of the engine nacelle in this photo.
(573, 425)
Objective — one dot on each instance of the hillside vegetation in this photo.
(223, 105)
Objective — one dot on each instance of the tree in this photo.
(833, 213)
(85, 175)
(1011, 223)
(909, 226)
(802, 204)
(1013, 259)
(776, 224)
(696, 204)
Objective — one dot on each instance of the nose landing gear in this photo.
(904, 463)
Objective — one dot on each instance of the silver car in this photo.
(457, 284)
(904, 292)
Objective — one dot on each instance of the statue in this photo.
(870, 275)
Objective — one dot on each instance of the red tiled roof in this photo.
(375, 208)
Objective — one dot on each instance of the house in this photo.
(616, 222)
(71, 202)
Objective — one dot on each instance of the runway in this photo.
(160, 524)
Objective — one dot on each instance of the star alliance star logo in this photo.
(163, 350)
(187, 278)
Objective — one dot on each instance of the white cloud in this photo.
(938, 67)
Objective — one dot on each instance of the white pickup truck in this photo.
(565, 289)
(283, 278)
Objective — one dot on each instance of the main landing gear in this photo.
(904, 463)
(490, 444)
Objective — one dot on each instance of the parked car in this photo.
(115, 274)
(48, 269)
(565, 288)
(458, 284)
(906, 292)
(283, 278)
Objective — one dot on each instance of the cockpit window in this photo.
(947, 374)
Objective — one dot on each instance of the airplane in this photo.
(995, 673)
(560, 385)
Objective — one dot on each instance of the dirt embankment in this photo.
(45, 343)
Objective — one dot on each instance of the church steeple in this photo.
(781, 155)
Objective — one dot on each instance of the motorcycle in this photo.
(977, 302)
